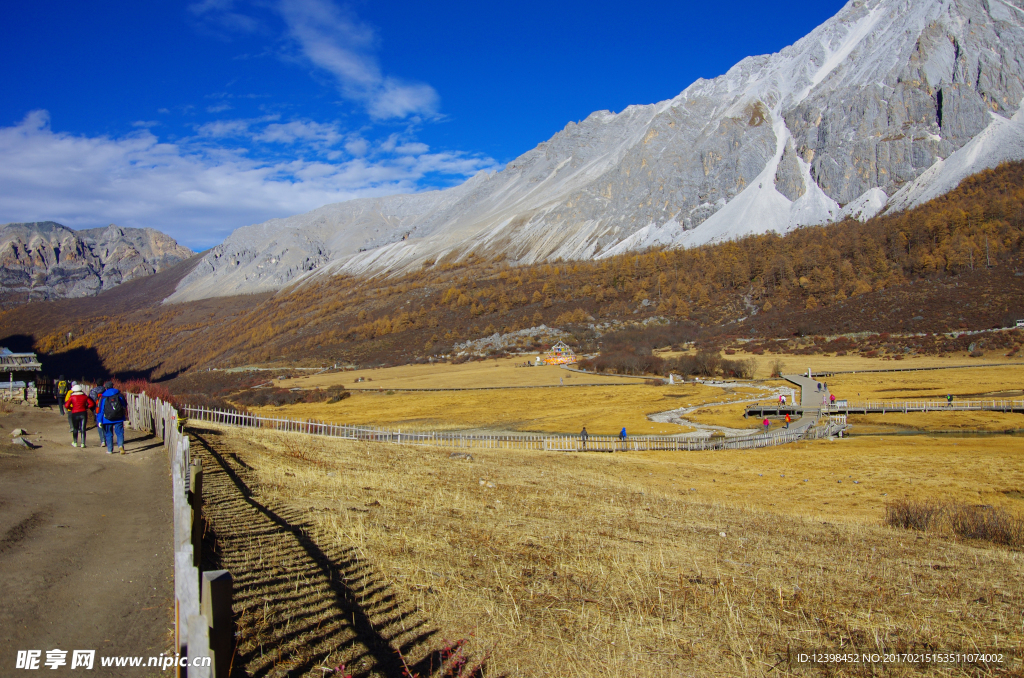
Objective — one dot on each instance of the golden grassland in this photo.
(500, 372)
(666, 564)
(964, 384)
(602, 409)
(818, 363)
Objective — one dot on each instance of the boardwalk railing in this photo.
(191, 627)
(551, 442)
(895, 406)
(992, 405)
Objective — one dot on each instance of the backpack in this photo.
(113, 408)
(62, 387)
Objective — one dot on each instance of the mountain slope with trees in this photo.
(956, 263)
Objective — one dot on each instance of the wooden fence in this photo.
(552, 442)
(905, 406)
(201, 631)
(772, 408)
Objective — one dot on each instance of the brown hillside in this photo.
(953, 264)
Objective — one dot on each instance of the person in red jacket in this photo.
(79, 405)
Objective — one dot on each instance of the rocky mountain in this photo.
(45, 260)
(884, 106)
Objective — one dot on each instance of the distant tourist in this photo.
(79, 405)
(949, 399)
(584, 436)
(767, 424)
(622, 434)
(832, 400)
(111, 411)
(60, 391)
(788, 419)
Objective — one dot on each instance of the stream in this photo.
(678, 416)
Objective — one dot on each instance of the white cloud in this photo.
(342, 46)
(218, 108)
(195, 193)
(219, 129)
(304, 131)
(413, 148)
(357, 146)
(221, 14)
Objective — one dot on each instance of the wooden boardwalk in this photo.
(891, 406)
(546, 442)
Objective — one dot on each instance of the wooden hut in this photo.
(22, 377)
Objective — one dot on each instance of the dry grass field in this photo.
(664, 564)
(498, 372)
(836, 363)
(963, 384)
(602, 409)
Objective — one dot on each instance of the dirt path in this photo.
(85, 545)
(301, 609)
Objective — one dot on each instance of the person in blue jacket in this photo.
(111, 412)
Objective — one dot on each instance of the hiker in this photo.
(767, 424)
(79, 405)
(583, 437)
(949, 399)
(788, 419)
(67, 406)
(111, 411)
(819, 386)
(94, 393)
(60, 390)
(832, 400)
(622, 434)
(783, 400)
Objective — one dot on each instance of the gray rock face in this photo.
(46, 260)
(870, 102)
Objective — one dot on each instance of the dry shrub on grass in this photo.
(261, 397)
(970, 521)
(562, 566)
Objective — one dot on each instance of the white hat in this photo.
(77, 389)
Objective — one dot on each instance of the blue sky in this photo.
(198, 117)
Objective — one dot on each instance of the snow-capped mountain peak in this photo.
(893, 98)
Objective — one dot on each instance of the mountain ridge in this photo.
(46, 260)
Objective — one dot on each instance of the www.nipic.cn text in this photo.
(86, 659)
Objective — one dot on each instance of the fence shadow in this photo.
(292, 594)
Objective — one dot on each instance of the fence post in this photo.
(216, 606)
(195, 499)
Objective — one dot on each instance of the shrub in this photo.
(276, 397)
(709, 362)
(742, 369)
(142, 386)
(970, 521)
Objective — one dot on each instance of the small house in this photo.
(21, 377)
